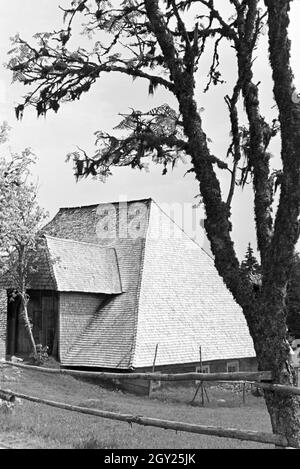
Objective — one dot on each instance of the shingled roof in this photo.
(184, 303)
(83, 267)
(172, 293)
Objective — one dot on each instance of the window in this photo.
(205, 369)
(233, 367)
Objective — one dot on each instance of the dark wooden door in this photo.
(49, 316)
(42, 312)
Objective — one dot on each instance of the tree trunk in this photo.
(278, 262)
(284, 415)
(267, 326)
(24, 316)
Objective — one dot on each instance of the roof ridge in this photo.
(107, 203)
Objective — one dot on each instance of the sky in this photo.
(74, 125)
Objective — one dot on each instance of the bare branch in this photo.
(228, 29)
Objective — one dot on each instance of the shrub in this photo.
(41, 354)
(93, 442)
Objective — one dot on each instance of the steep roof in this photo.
(172, 293)
(83, 267)
(184, 303)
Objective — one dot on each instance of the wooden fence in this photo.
(237, 376)
(245, 435)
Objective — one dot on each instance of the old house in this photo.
(120, 278)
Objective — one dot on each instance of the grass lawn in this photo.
(32, 425)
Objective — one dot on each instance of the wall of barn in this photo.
(76, 311)
(215, 366)
(141, 386)
(3, 322)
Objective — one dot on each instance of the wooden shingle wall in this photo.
(215, 366)
(76, 310)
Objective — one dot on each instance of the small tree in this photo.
(21, 245)
(251, 270)
(249, 265)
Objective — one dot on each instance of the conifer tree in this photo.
(250, 265)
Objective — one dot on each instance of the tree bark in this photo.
(273, 353)
(275, 350)
(25, 317)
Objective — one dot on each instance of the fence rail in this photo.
(244, 435)
(254, 377)
(237, 376)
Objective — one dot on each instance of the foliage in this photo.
(152, 134)
(123, 41)
(20, 220)
(20, 215)
(41, 355)
(250, 268)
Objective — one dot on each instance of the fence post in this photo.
(200, 385)
(153, 369)
(244, 393)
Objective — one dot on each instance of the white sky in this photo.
(52, 138)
